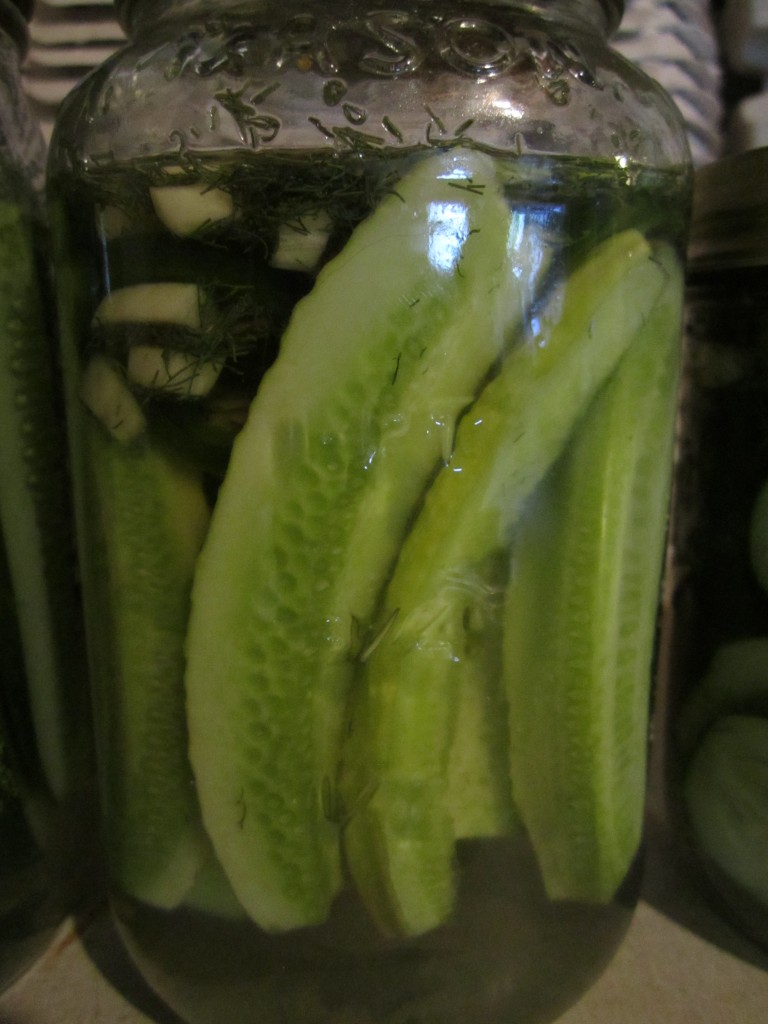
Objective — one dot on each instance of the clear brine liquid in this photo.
(509, 954)
(360, 793)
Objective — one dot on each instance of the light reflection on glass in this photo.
(448, 231)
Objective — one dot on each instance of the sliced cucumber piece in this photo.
(212, 893)
(374, 369)
(736, 682)
(581, 614)
(150, 516)
(35, 510)
(18, 754)
(726, 792)
(404, 724)
(479, 797)
(479, 792)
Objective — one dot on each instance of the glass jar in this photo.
(44, 713)
(717, 621)
(370, 322)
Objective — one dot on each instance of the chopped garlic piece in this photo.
(170, 303)
(184, 209)
(180, 373)
(300, 247)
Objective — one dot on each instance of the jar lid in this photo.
(729, 225)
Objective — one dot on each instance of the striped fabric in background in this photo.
(68, 38)
(674, 41)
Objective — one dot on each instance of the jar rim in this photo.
(612, 10)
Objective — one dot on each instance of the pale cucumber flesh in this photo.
(581, 616)
(34, 510)
(735, 682)
(348, 425)
(725, 800)
(150, 516)
(404, 719)
(479, 792)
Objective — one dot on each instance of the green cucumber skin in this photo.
(503, 457)
(347, 427)
(403, 822)
(404, 719)
(479, 789)
(726, 801)
(34, 509)
(150, 517)
(581, 618)
(736, 682)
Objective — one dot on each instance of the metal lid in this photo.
(729, 224)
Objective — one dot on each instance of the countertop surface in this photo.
(679, 964)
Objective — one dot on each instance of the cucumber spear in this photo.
(581, 615)
(150, 516)
(359, 409)
(399, 838)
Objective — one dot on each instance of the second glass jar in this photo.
(47, 863)
(716, 674)
(370, 323)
